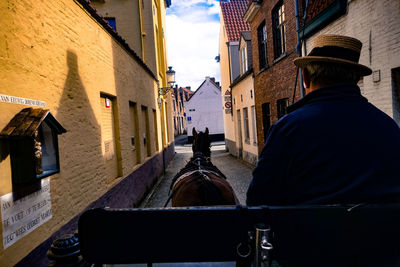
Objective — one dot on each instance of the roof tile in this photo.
(233, 12)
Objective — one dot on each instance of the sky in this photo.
(192, 28)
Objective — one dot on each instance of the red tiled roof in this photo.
(233, 12)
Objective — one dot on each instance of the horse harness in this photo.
(198, 164)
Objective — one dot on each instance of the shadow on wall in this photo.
(80, 147)
(80, 157)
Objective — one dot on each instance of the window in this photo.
(281, 105)
(146, 134)
(246, 125)
(396, 94)
(278, 25)
(111, 22)
(253, 124)
(155, 130)
(243, 60)
(134, 133)
(262, 45)
(173, 104)
(266, 114)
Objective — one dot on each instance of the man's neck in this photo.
(313, 87)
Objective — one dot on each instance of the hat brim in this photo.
(303, 61)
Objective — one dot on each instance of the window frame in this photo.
(112, 22)
(266, 118)
(253, 123)
(262, 45)
(281, 107)
(246, 127)
(279, 30)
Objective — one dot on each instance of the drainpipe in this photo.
(300, 40)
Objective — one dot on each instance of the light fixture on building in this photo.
(170, 80)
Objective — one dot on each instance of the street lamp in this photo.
(170, 80)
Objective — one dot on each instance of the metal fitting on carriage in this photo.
(262, 246)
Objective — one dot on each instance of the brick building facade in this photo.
(274, 39)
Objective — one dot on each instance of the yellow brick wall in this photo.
(127, 23)
(53, 51)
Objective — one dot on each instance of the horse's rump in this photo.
(200, 183)
(202, 188)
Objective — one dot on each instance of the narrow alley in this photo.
(237, 171)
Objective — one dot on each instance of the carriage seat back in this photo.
(308, 235)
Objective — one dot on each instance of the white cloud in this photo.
(192, 40)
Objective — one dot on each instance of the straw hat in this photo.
(336, 49)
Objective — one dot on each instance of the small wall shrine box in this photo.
(32, 135)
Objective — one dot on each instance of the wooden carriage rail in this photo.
(361, 235)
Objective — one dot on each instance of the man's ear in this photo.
(306, 78)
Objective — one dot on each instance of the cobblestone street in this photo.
(237, 172)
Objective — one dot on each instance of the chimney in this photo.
(217, 84)
(188, 87)
(212, 79)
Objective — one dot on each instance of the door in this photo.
(240, 140)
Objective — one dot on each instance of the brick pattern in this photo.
(276, 81)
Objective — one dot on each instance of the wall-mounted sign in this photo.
(21, 101)
(108, 102)
(228, 104)
(189, 118)
(227, 92)
(22, 216)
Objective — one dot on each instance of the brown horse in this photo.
(200, 183)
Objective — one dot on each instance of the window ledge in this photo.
(47, 173)
(262, 70)
(279, 58)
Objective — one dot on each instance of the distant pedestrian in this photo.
(333, 146)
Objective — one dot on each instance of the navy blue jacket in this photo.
(332, 147)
